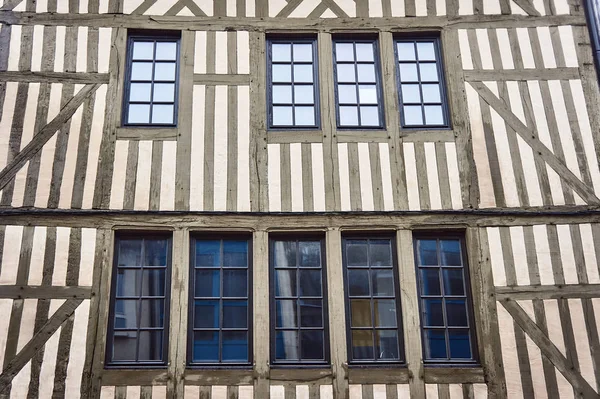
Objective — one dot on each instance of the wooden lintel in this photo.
(528, 292)
(392, 375)
(428, 136)
(45, 292)
(221, 79)
(53, 77)
(139, 377)
(522, 74)
(295, 136)
(528, 7)
(140, 133)
(454, 375)
(362, 136)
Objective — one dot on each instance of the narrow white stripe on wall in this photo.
(453, 176)
(484, 49)
(104, 44)
(83, 7)
(133, 392)
(45, 176)
(326, 392)
(10, 259)
(38, 249)
(539, 5)
(117, 191)
(167, 178)
(589, 253)
(525, 46)
(191, 392)
(532, 183)
(366, 182)
(243, 52)
(375, 8)
(15, 47)
(142, 180)
(62, 6)
(520, 255)
(412, 183)
(243, 143)
(509, 354)
(200, 52)
(221, 52)
(88, 248)
(431, 391)
(20, 384)
(379, 391)
(206, 6)
(568, 44)
(465, 49)
(296, 177)
(159, 392)
(496, 256)
(537, 369)
(344, 176)
(107, 393)
(245, 392)
(543, 33)
(59, 54)
(301, 391)
(465, 7)
(77, 351)
(491, 7)
(318, 177)
(61, 258)
(68, 179)
(403, 391)
(5, 311)
(582, 345)
(82, 36)
(160, 7)
(250, 8)
(561, 7)
(553, 323)
(221, 148)
(421, 8)
(305, 8)
(40, 6)
(277, 392)
(556, 186)
(542, 248)
(197, 150)
(274, 170)
(566, 254)
(480, 391)
(398, 8)
(36, 48)
(433, 179)
(6, 120)
(355, 391)
(349, 6)
(94, 147)
(231, 10)
(506, 55)
(386, 177)
(103, 7)
(275, 6)
(455, 391)
(440, 7)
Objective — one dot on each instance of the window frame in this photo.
(292, 39)
(150, 36)
(108, 362)
(474, 361)
(190, 364)
(326, 362)
(359, 38)
(399, 314)
(439, 62)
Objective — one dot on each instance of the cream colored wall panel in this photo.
(564, 128)
(40, 6)
(453, 176)
(326, 392)
(86, 265)
(433, 179)
(77, 351)
(62, 6)
(14, 48)
(355, 391)
(61, 259)
(543, 33)
(525, 46)
(366, 182)
(519, 255)
(568, 42)
(561, 7)
(344, 176)
(553, 323)
(403, 391)
(455, 391)
(537, 370)
(398, 8)
(200, 52)
(68, 177)
(589, 253)
(191, 392)
(107, 393)
(566, 254)
(20, 7)
(485, 51)
(379, 391)
(59, 52)
(274, 176)
(465, 49)
(185, 12)
(328, 14)
(318, 177)
(539, 113)
(142, 180)
(539, 6)
(506, 55)
(130, 6)
(431, 391)
(509, 354)
(221, 52)
(20, 384)
(10, 259)
(349, 6)
(465, 7)
(117, 191)
(221, 148)
(496, 256)
(582, 345)
(159, 392)
(421, 8)
(302, 392)
(243, 52)
(491, 7)
(8, 110)
(167, 178)
(386, 177)
(5, 311)
(275, 6)
(412, 182)
(305, 8)
(532, 183)
(94, 147)
(555, 187)
(231, 11)
(38, 249)
(82, 36)
(103, 7)
(544, 256)
(277, 392)
(206, 5)
(296, 177)
(480, 391)
(133, 392)
(245, 392)
(243, 149)
(375, 8)
(440, 7)
(36, 48)
(516, 9)
(197, 149)
(160, 7)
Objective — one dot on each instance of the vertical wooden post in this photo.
(260, 312)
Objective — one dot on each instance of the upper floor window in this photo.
(292, 95)
(138, 324)
(421, 89)
(151, 81)
(358, 83)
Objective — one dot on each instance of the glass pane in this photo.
(164, 71)
(367, 94)
(311, 313)
(408, 73)
(141, 71)
(164, 92)
(433, 313)
(453, 282)
(413, 115)
(150, 345)
(286, 345)
(385, 312)
(126, 313)
(310, 283)
(347, 94)
(124, 345)
(383, 282)
(206, 346)
(348, 116)
(305, 116)
(235, 314)
(162, 113)
(303, 52)
(358, 282)
(206, 314)
(406, 51)
(435, 344)
(380, 253)
(207, 283)
(431, 93)
(282, 73)
(303, 73)
(312, 345)
(360, 310)
(456, 313)
(426, 51)
(285, 283)
(285, 313)
(143, 50)
(369, 116)
(410, 93)
(366, 73)
(208, 253)
(166, 51)
(346, 73)
(285, 253)
(282, 94)
(140, 92)
(434, 115)
(128, 282)
(362, 345)
(450, 251)
(153, 282)
(364, 51)
(281, 52)
(235, 283)
(155, 252)
(235, 253)
(356, 253)
(430, 282)
(138, 113)
(428, 72)
(130, 252)
(152, 313)
(460, 344)
(310, 253)
(427, 250)
(282, 116)
(344, 52)
(387, 345)
(304, 94)
(235, 346)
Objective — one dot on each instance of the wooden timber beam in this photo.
(53, 77)
(549, 350)
(44, 292)
(221, 79)
(522, 74)
(539, 149)
(42, 137)
(528, 7)
(528, 292)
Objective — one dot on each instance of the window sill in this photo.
(378, 374)
(137, 133)
(136, 375)
(322, 375)
(453, 374)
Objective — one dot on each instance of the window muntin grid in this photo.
(421, 83)
(372, 304)
(446, 316)
(138, 323)
(292, 94)
(220, 313)
(298, 305)
(359, 101)
(151, 81)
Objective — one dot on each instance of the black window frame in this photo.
(326, 362)
(475, 358)
(439, 61)
(194, 237)
(151, 36)
(401, 361)
(359, 38)
(293, 39)
(109, 363)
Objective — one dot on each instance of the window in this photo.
(372, 304)
(446, 314)
(139, 317)
(358, 84)
(298, 316)
(220, 312)
(421, 83)
(293, 95)
(151, 81)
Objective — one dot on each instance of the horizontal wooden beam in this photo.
(300, 376)
(295, 136)
(53, 77)
(140, 133)
(362, 136)
(453, 375)
(522, 74)
(221, 79)
(391, 375)
(218, 377)
(44, 292)
(428, 136)
(120, 377)
(527, 292)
